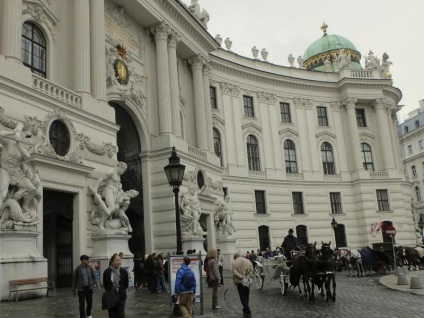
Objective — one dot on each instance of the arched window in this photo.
(327, 158)
(367, 157)
(302, 234)
(217, 143)
(290, 156)
(253, 153)
(33, 49)
(418, 193)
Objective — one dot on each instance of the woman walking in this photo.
(116, 278)
(214, 276)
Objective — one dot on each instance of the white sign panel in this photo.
(175, 262)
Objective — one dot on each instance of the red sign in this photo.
(390, 231)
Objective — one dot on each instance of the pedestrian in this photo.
(160, 274)
(185, 288)
(214, 277)
(290, 243)
(220, 266)
(242, 269)
(207, 271)
(83, 281)
(259, 252)
(115, 277)
(248, 255)
(138, 271)
(150, 272)
(253, 257)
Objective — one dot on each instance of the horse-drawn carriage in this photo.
(309, 266)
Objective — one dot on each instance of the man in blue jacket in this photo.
(185, 288)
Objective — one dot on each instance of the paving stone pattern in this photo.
(356, 297)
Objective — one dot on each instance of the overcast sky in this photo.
(284, 27)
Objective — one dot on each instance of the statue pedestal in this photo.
(20, 259)
(227, 245)
(105, 245)
(190, 243)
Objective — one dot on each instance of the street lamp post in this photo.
(334, 226)
(421, 226)
(175, 173)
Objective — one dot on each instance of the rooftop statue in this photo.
(255, 52)
(191, 212)
(195, 8)
(204, 17)
(20, 188)
(327, 65)
(223, 216)
(291, 60)
(371, 61)
(228, 44)
(343, 59)
(218, 39)
(112, 202)
(264, 54)
(385, 66)
(300, 61)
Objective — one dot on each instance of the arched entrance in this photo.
(129, 150)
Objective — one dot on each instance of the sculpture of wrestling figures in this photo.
(223, 216)
(20, 188)
(191, 212)
(112, 202)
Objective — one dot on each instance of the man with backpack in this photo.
(185, 288)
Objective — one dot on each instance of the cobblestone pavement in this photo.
(356, 297)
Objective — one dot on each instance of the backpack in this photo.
(188, 279)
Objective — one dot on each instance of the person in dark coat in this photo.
(116, 277)
(290, 243)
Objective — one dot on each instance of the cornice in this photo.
(326, 133)
(251, 126)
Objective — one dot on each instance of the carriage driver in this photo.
(290, 243)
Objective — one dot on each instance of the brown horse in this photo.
(304, 266)
(326, 270)
(408, 256)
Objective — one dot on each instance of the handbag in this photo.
(110, 299)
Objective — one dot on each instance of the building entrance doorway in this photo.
(58, 215)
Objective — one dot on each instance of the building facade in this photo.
(101, 81)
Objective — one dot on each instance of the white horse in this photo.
(353, 258)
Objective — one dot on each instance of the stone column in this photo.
(161, 33)
(305, 152)
(173, 79)
(354, 133)
(341, 147)
(382, 108)
(98, 59)
(199, 102)
(207, 95)
(11, 29)
(82, 46)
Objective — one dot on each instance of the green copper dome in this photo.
(328, 47)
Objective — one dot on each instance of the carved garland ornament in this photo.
(107, 147)
(36, 11)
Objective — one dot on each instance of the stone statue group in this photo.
(20, 186)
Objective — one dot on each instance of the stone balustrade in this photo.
(294, 176)
(361, 73)
(46, 87)
(332, 178)
(379, 174)
(257, 174)
(196, 153)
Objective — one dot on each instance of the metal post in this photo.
(394, 254)
(176, 190)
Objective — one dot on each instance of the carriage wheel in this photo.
(259, 280)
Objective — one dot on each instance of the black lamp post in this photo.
(175, 173)
(421, 226)
(334, 226)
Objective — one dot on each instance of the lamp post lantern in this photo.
(421, 226)
(334, 226)
(175, 173)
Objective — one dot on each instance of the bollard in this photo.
(416, 283)
(402, 279)
(398, 270)
(405, 270)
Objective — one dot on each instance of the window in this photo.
(360, 117)
(414, 171)
(298, 203)
(59, 138)
(336, 202)
(264, 240)
(383, 200)
(406, 129)
(225, 190)
(417, 123)
(290, 156)
(214, 102)
(421, 144)
(302, 234)
(33, 49)
(217, 143)
(322, 116)
(367, 157)
(327, 159)
(285, 112)
(410, 149)
(418, 194)
(200, 179)
(253, 153)
(248, 106)
(260, 202)
(340, 235)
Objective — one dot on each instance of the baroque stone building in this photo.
(101, 81)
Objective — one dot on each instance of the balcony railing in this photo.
(361, 73)
(332, 177)
(46, 87)
(257, 174)
(196, 153)
(379, 174)
(294, 176)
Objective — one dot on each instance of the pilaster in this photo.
(11, 28)
(354, 132)
(207, 95)
(82, 46)
(173, 40)
(382, 108)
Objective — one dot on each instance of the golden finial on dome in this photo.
(324, 27)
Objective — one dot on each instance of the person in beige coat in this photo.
(242, 269)
(214, 276)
